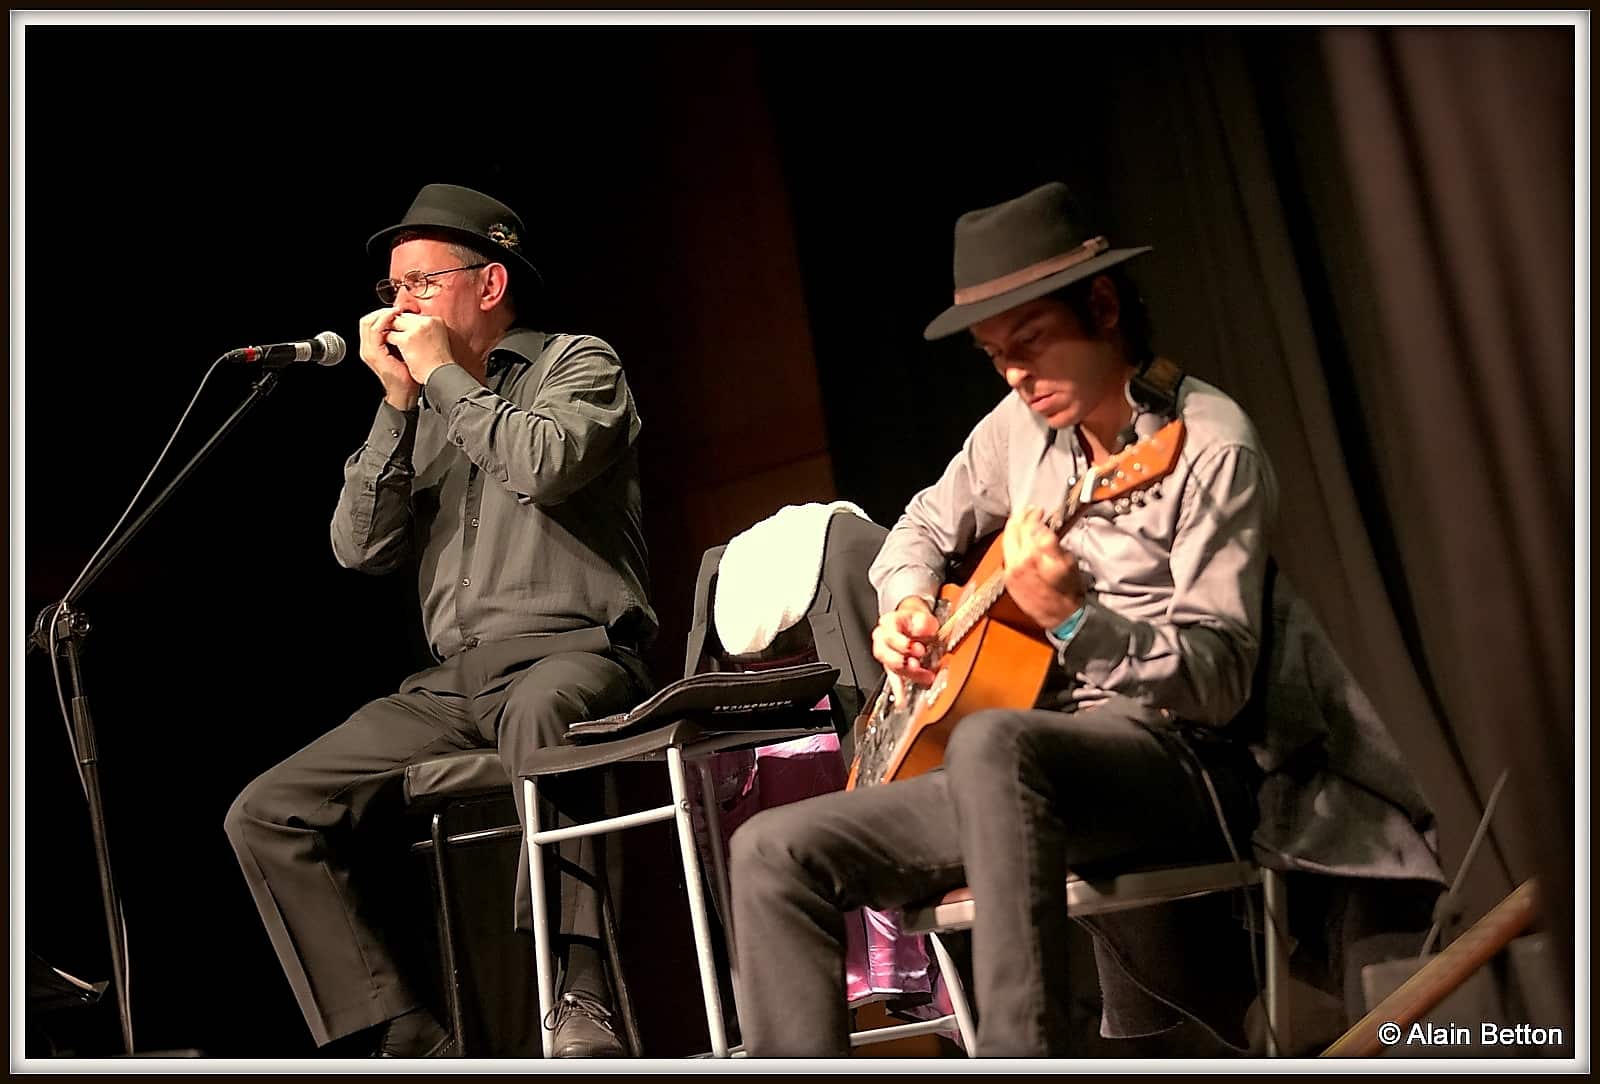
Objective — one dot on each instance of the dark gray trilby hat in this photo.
(1019, 250)
(467, 215)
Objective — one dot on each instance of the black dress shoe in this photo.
(583, 1028)
(415, 1035)
(445, 1048)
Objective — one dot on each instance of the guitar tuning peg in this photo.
(1155, 492)
(1138, 498)
(1121, 505)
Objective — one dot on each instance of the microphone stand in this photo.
(67, 626)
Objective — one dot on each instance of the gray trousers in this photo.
(302, 829)
(1023, 796)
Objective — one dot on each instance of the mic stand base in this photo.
(70, 626)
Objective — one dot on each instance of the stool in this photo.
(443, 788)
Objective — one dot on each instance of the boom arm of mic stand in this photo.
(61, 626)
(258, 391)
(40, 636)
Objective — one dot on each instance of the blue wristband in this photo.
(1067, 628)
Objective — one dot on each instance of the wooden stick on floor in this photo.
(1441, 975)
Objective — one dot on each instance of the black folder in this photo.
(739, 700)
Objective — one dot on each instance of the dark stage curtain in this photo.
(1460, 152)
(1402, 371)
(1375, 233)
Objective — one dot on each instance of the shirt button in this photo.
(474, 522)
(466, 581)
(472, 641)
(460, 441)
(394, 432)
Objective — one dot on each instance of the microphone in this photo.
(326, 349)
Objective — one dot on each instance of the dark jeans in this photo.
(301, 827)
(1022, 797)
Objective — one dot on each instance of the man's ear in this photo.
(492, 284)
(1104, 304)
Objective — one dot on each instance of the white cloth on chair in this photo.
(768, 574)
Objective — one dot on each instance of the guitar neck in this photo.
(987, 592)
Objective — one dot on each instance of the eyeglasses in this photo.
(419, 284)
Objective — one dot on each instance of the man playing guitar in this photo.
(1149, 608)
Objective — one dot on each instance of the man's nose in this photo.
(1015, 375)
(405, 301)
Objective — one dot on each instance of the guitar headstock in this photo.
(1140, 464)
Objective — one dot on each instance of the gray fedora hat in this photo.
(470, 216)
(1019, 250)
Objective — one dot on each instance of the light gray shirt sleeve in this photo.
(1198, 659)
(971, 499)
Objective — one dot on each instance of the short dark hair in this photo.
(1133, 318)
(464, 253)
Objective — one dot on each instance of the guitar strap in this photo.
(1153, 388)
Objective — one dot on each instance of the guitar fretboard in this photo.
(986, 594)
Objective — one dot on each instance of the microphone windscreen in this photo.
(332, 348)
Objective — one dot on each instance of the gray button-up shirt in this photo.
(519, 499)
(1174, 612)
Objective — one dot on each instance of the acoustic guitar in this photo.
(988, 653)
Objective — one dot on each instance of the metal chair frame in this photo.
(439, 845)
(676, 744)
(956, 910)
